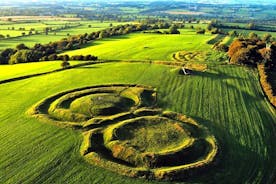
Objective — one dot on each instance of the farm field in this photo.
(31, 40)
(158, 100)
(215, 98)
(140, 46)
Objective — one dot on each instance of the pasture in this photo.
(92, 124)
(226, 99)
(139, 46)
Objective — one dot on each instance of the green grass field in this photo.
(12, 71)
(226, 99)
(139, 46)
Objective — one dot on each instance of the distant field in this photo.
(23, 18)
(173, 12)
(139, 46)
(52, 36)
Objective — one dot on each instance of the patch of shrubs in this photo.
(200, 31)
(54, 57)
(84, 58)
(266, 85)
(220, 47)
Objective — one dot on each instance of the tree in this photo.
(102, 34)
(245, 52)
(215, 31)
(173, 29)
(234, 47)
(241, 56)
(271, 60)
(209, 26)
(21, 56)
(65, 57)
(233, 33)
(65, 63)
(21, 46)
(5, 55)
(267, 37)
(251, 26)
(200, 31)
(53, 57)
(252, 35)
(46, 30)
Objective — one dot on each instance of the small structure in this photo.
(185, 71)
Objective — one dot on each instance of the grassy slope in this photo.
(227, 99)
(18, 70)
(144, 46)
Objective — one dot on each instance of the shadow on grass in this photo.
(86, 67)
(235, 162)
(215, 76)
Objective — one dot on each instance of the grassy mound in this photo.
(186, 56)
(81, 106)
(166, 146)
(101, 104)
(124, 132)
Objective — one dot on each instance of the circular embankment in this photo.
(185, 56)
(125, 132)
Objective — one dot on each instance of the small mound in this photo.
(164, 146)
(151, 134)
(101, 104)
(186, 56)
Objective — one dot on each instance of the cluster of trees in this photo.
(66, 57)
(220, 46)
(39, 52)
(252, 51)
(173, 29)
(200, 31)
